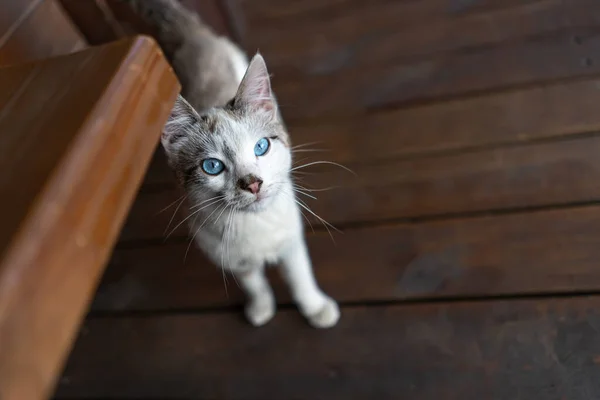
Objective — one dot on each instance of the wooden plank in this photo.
(562, 55)
(544, 349)
(476, 122)
(45, 32)
(533, 175)
(12, 15)
(498, 118)
(545, 251)
(94, 19)
(396, 139)
(546, 111)
(342, 56)
(509, 177)
(76, 137)
(322, 37)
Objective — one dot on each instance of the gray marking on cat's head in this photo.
(229, 134)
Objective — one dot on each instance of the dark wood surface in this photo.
(36, 29)
(341, 57)
(95, 20)
(76, 135)
(468, 266)
(536, 349)
(526, 252)
(498, 178)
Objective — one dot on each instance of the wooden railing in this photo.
(76, 135)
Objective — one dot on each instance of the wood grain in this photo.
(342, 56)
(480, 121)
(94, 19)
(544, 349)
(321, 37)
(45, 31)
(546, 251)
(468, 268)
(491, 152)
(562, 55)
(504, 178)
(544, 111)
(77, 135)
(12, 15)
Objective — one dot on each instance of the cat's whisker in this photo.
(219, 216)
(225, 240)
(211, 214)
(307, 208)
(309, 151)
(304, 193)
(326, 224)
(182, 198)
(187, 250)
(174, 213)
(308, 220)
(198, 230)
(295, 162)
(324, 162)
(224, 251)
(218, 208)
(318, 190)
(228, 243)
(206, 201)
(300, 173)
(192, 214)
(224, 282)
(299, 146)
(303, 203)
(190, 243)
(301, 212)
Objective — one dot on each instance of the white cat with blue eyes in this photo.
(234, 163)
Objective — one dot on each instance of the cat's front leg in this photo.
(260, 306)
(320, 310)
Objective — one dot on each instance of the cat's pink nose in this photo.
(254, 187)
(251, 183)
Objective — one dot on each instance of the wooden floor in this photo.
(469, 266)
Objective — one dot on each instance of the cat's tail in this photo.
(209, 67)
(171, 22)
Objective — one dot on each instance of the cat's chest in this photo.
(260, 236)
(252, 239)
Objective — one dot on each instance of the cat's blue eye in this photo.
(212, 166)
(261, 147)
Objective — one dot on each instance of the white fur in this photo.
(271, 236)
(240, 231)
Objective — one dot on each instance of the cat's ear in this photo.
(254, 91)
(182, 117)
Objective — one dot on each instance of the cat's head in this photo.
(238, 154)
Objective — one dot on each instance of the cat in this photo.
(231, 153)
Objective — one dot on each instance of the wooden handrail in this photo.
(76, 135)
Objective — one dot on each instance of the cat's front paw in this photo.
(327, 316)
(259, 312)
